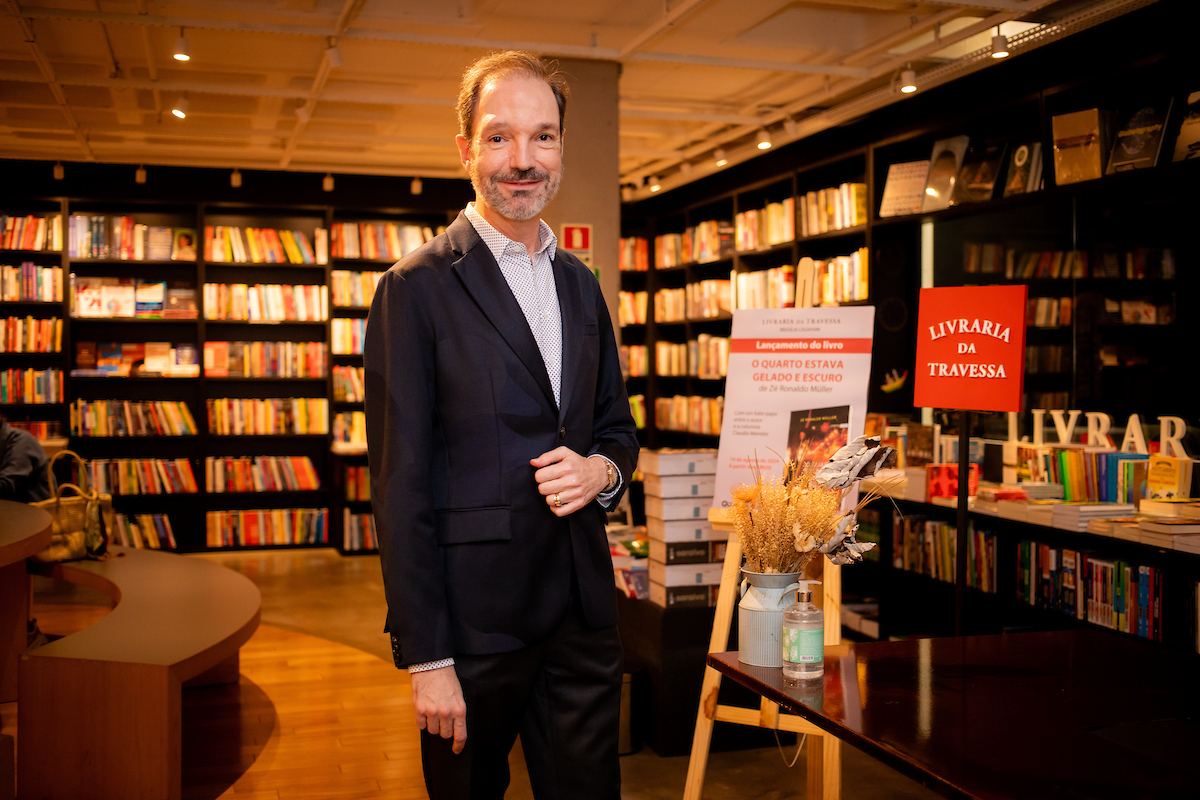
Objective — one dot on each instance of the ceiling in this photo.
(94, 80)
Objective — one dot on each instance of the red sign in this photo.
(576, 237)
(971, 348)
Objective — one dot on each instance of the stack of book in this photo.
(1074, 516)
(686, 554)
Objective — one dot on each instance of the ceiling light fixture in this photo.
(654, 184)
(181, 108)
(416, 187)
(764, 139)
(719, 157)
(626, 193)
(327, 183)
(235, 179)
(59, 172)
(685, 168)
(790, 126)
(182, 51)
(139, 175)
(908, 81)
(302, 113)
(334, 55)
(999, 44)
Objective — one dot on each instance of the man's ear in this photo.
(464, 150)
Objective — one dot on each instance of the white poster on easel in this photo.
(797, 379)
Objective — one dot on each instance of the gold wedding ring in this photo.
(557, 502)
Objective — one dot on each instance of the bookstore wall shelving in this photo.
(1105, 335)
(279, 394)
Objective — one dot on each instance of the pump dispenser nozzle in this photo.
(804, 592)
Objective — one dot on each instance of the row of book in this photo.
(348, 386)
(351, 427)
(833, 209)
(703, 243)
(1093, 475)
(31, 283)
(930, 547)
(765, 227)
(1110, 593)
(102, 236)
(152, 531)
(693, 414)
(671, 359)
(140, 475)
(126, 359)
(348, 336)
(768, 288)
(132, 418)
(358, 483)
(378, 240)
(709, 299)
(260, 474)
(632, 307)
(842, 279)
(258, 527)
(31, 335)
(31, 386)
(1137, 312)
(273, 416)
(1049, 312)
(266, 302)
(127, 298)
(358, 531)
(353, 289)
(1140, 263)
(633, 254)
(1046, 359)
(637, 409)
(41, 429)
(635, 360)
(236, 245)
(265, 359)
(705, 357)
(31, 232)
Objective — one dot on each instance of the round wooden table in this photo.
(24, 530)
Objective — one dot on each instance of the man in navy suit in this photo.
(499, 432)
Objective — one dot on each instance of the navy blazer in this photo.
(458, 401)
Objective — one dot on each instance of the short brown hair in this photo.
(508, 62)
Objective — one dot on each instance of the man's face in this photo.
(514, 156)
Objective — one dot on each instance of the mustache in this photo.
(531, 174)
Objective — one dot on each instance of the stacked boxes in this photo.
(686, 554)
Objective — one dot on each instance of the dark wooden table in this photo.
(24, 530)
(1056, 715)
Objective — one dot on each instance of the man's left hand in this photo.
(568, 478)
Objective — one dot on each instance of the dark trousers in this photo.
(562, 696)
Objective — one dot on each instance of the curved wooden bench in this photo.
(99, 711)
(24, 530)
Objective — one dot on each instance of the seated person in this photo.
(22, 465)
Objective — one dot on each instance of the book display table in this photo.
(24, 530)
(1059, 714)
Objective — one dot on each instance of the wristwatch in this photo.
(611, 471)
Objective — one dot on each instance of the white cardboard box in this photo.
(678, 462)
(683, 530)
(700, 486)
(685, 574)
(680, 508)
(683, 596)
(698, 552)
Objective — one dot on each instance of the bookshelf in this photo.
(267, 359)
(1103, 355)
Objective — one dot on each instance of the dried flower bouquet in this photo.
(784, 522)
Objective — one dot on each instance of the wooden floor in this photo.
(310, 718)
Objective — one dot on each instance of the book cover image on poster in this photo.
(1139, 137)
(944, 166)
(816, 434)
(979, 174)
(1024, 169)
(1187, 144)
(184, 247)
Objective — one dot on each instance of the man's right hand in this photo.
(438, 700)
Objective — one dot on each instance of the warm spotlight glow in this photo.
(999, 46)
(764, 139)
(908, 81)
(183, 52)
(181, 108)
(719, 157)
(654, 184)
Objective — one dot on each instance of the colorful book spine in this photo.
(262, 527)
(30, 282)
(353, 289)
(235, 416)
(224, 474)
(358, 531)
(31, 386)
(132, 418)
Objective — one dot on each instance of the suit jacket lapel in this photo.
(483, 280)
(569, 311)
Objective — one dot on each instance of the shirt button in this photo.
(562, 433)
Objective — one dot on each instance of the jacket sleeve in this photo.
(399, 360)
(613, 430)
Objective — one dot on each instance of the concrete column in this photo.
(591, 192)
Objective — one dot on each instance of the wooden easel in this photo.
(824, 751)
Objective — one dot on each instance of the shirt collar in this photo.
(497, 242)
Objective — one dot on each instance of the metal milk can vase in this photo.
(760, 616)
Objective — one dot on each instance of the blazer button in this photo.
(562, 433)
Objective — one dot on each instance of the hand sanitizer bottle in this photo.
(803, 637)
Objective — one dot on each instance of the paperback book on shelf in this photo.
(30, 281)
(1024, 169)
(904, 189)
(944, 166)
(1139, 136)
(980, 172)
(1187, 143)
(1081, 143)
